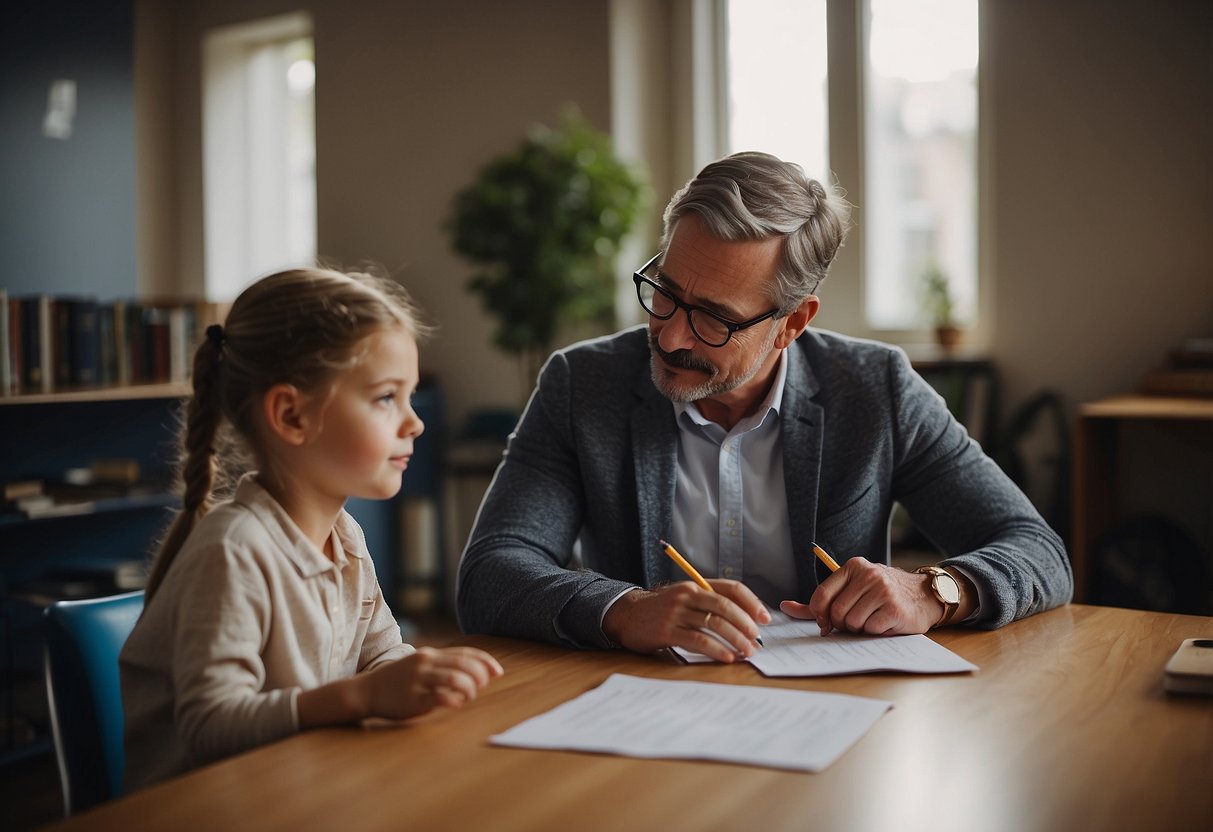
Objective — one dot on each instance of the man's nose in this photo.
(675, 333)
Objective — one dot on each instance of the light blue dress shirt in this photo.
(730, 500)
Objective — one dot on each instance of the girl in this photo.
(262, 615)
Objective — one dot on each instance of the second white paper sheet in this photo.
(795, 647)
(639, 717)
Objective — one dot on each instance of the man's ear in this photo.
(796, 323)
(286, 413)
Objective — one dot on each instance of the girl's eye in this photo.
(386, 398)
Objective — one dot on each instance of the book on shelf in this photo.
(57, 343)
(16, 347)
(16, 489)
(61, 337)
(155, 344)
(107, 346)
(37, 375)
(74, 343)
(182, 333)
(6, 367)
(83, 343)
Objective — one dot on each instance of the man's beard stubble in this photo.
(687, 360)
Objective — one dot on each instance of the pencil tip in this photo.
(662, 542)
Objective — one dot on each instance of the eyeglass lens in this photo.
(707, 328)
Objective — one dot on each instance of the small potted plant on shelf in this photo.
(937, 300)
(543, 223)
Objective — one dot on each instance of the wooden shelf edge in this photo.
(104, 505)
(170, 390)
(1148, 407)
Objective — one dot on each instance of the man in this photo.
(731, 429)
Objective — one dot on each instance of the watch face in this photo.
(947, 588)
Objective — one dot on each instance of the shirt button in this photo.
(732, 523)
(728, 571)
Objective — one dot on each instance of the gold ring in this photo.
(706, 619)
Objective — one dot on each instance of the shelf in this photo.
(173, 390)
(1149, 407)
(103, 505)
(1141, 468)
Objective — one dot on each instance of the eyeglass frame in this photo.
(639, 277)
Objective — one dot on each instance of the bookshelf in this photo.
(55, 343)
(167, 390)
(93, 547)
(69, 554)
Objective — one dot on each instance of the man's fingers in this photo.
(711, 644)
(731, 637)
(744, 598)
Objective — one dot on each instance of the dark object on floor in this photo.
(1150, 562)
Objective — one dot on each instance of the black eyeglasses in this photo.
(708, 327)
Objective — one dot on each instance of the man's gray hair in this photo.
(756, 196)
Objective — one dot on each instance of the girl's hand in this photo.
(430, 678)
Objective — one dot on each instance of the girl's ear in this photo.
(286, 414)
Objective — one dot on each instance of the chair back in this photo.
(83, 639)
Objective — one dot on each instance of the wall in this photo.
(1099, 121)
(411, 98)
(1103, 189)
(1097, 124)
(67, 206)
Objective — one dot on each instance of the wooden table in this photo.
(1064, 727)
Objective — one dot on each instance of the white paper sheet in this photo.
(795, 647)
(654, 718)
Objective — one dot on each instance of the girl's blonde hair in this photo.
(297, 327)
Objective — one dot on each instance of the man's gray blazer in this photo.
(593, 461)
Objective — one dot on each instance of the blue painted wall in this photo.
(67, 206)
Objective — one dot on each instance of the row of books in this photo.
(54, 343)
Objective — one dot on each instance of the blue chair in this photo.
(83, 639)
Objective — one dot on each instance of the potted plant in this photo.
(543, 223)
(937, 300)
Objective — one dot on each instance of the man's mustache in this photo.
(682, 359)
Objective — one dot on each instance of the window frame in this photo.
(844, 292)
(234, 238)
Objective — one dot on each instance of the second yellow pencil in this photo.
(824, 557)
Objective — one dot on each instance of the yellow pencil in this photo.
(824, 557)
(686, 565)
(692, 572)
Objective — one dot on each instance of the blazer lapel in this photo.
(802, 427)
(655, 458)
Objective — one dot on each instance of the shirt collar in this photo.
(308, 559)
(771, 404)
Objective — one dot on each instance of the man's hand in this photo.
(675, 615)
(866, 597)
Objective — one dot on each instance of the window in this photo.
(914, 149)
(259, 151)
(777, 80)
(920, 167)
